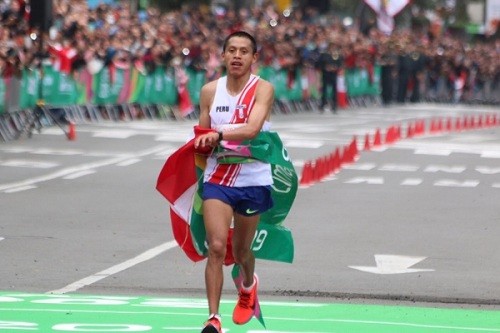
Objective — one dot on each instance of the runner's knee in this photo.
(241, 255)
(217, 249)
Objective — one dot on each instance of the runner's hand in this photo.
(209, 139)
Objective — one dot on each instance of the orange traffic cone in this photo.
(71, 131)
(336, 160)
(306, 178)
(410, 131)
(389, 135)
(331, 163)
(480, 121)
(458, 125)
(354, 148)
(449, 124)
(347, 156)
(378, 140)
(367, 146)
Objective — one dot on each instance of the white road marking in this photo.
(445, 168)
(50, 151)
(360, 166)
(456, 183)
(20, 189)
(149, 254)
(490, 154)
(329, 178)
(192, 329)
(399, 167)
(393, 264)
(173, 137)
(298, 163)
(28, 164)
(302, 144)
(435, 152)
(15, 150)
(366, 180)
(440, 148)
(487, 170)
(53, 131)
(129, 162)
(379, 149)
(163, 155)
(87, 166)
(114, 134)
(412, 182)
(79, 174)
(59, 152)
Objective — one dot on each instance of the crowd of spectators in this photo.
(416, 65)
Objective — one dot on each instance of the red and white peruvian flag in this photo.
(386, 10)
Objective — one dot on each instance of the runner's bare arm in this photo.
(206, 99)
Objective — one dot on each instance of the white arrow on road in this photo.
(393, 264)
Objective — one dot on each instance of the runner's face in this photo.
(239, 56)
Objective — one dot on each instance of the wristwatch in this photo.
(220, 136)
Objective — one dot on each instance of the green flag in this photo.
(272, 241)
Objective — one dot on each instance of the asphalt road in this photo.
(84, 216)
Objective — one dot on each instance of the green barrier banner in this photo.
(278, 80)
(108, 85)
(287, 86)
(169, 93)
(158, 87)
(114, 85)
(30, 85)
(59, 88)
(196, 81)
(50, 84)
(3, 90)
(359, 83)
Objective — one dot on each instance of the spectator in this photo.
(329, 63)
(444, 68)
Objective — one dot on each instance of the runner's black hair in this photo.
(243, 34)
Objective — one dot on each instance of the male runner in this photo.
(238, 107)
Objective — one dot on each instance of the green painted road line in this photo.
(86, 313)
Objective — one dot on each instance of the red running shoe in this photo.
(245, 307)
(213, 325)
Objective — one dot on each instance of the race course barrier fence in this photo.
(39, 97)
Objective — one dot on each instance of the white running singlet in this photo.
(228, 112)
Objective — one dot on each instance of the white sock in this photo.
(249, 288)
(216, 316)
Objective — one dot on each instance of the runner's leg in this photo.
(244, 232)
(217, 216)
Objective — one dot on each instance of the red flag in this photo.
(175, 189)
(177, 182)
